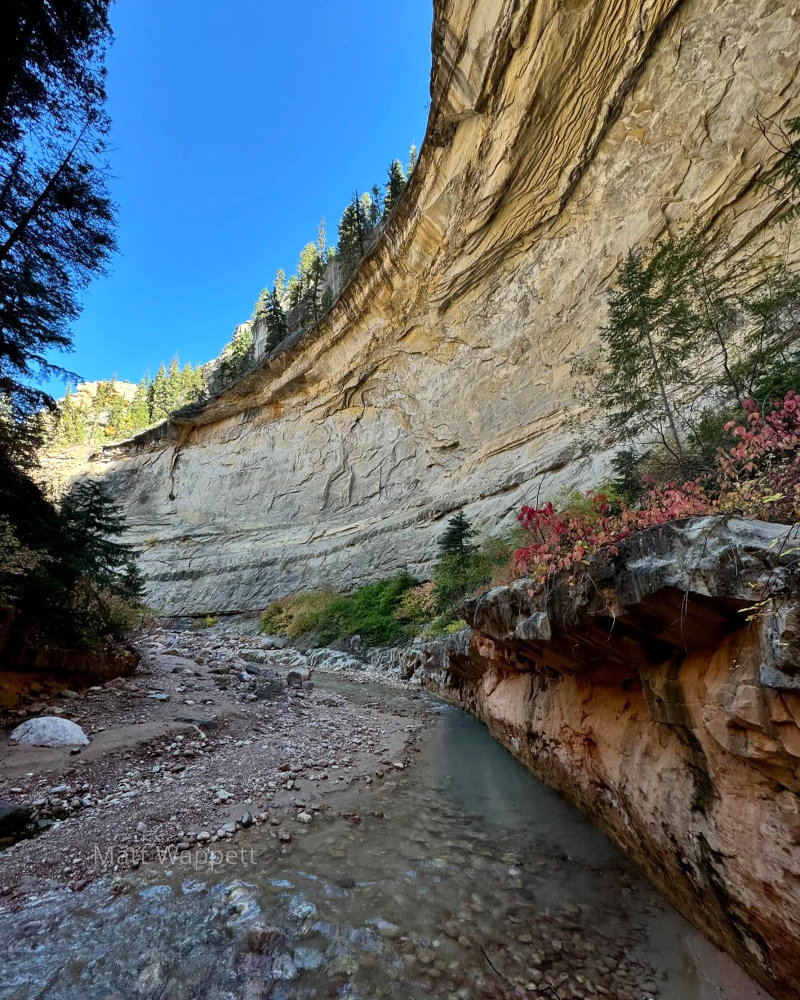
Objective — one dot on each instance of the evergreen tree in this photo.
(159, 396)
(689, 328)
(56, 232)
(276, 321)
(260, 307)
(174, 388)
(56, 220)
(308, 258)
(412, 159)
(294, 292)
(279, 284)
(368, 212)
(327, 301)
(648, 343)
(322, 243)
(236, 355)
(455, 543)
(93, 523)
(199, 384)
(70, 426)
(138, 415)
(310, 271)
(351, 238)
(395, 183)
(112, 406)
(375, 207)
(192, 385)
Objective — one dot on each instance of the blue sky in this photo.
(235, 128)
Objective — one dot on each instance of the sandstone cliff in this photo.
(645, 695)
(561, 132)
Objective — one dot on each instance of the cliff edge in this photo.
(560, 135)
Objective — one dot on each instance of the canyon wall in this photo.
(561, 133)
(660, 693)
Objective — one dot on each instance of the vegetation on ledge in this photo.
(401, 608)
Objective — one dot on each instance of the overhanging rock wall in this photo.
(654, 695)
(560, 134)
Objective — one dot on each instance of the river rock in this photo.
(13, 819)
(50, 731)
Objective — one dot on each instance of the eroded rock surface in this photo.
(560, 134)
(660, 694)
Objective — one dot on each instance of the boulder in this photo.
(50, 731)
(13, 819)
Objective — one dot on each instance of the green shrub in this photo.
(299, 613)
(328, 617)
(441, 626)
(418, 605)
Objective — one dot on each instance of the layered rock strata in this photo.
(660, 692)
(561, 133)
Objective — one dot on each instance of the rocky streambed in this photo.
(348, 840)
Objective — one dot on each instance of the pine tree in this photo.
(395, 183)
(70, 421)
(138, 415)
(375, 208)
(322, 243)
(412, 159)
(327, 301)
(199, 384)
(260, 307)
(236, 355)
(351, 238)
(174, 386)
(455, 543)
(114, 407)
(93, 523)
(159, 396)
(191, 386)
(279, 284)
(276, 321)
(310, 271)
(368, 212)
(294, 292)
(56, 219)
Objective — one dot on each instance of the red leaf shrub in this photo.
(758, 477)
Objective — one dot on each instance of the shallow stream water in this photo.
(476, 882)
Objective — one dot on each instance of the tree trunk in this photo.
(663, 393)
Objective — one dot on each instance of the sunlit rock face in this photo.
(655, 695)
(560, 134)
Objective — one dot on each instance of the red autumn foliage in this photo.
(761, 473)
(758, 477)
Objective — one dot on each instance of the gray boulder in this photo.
(50, 731)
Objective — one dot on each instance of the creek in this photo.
(464, 878)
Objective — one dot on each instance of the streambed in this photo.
(463, 877)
